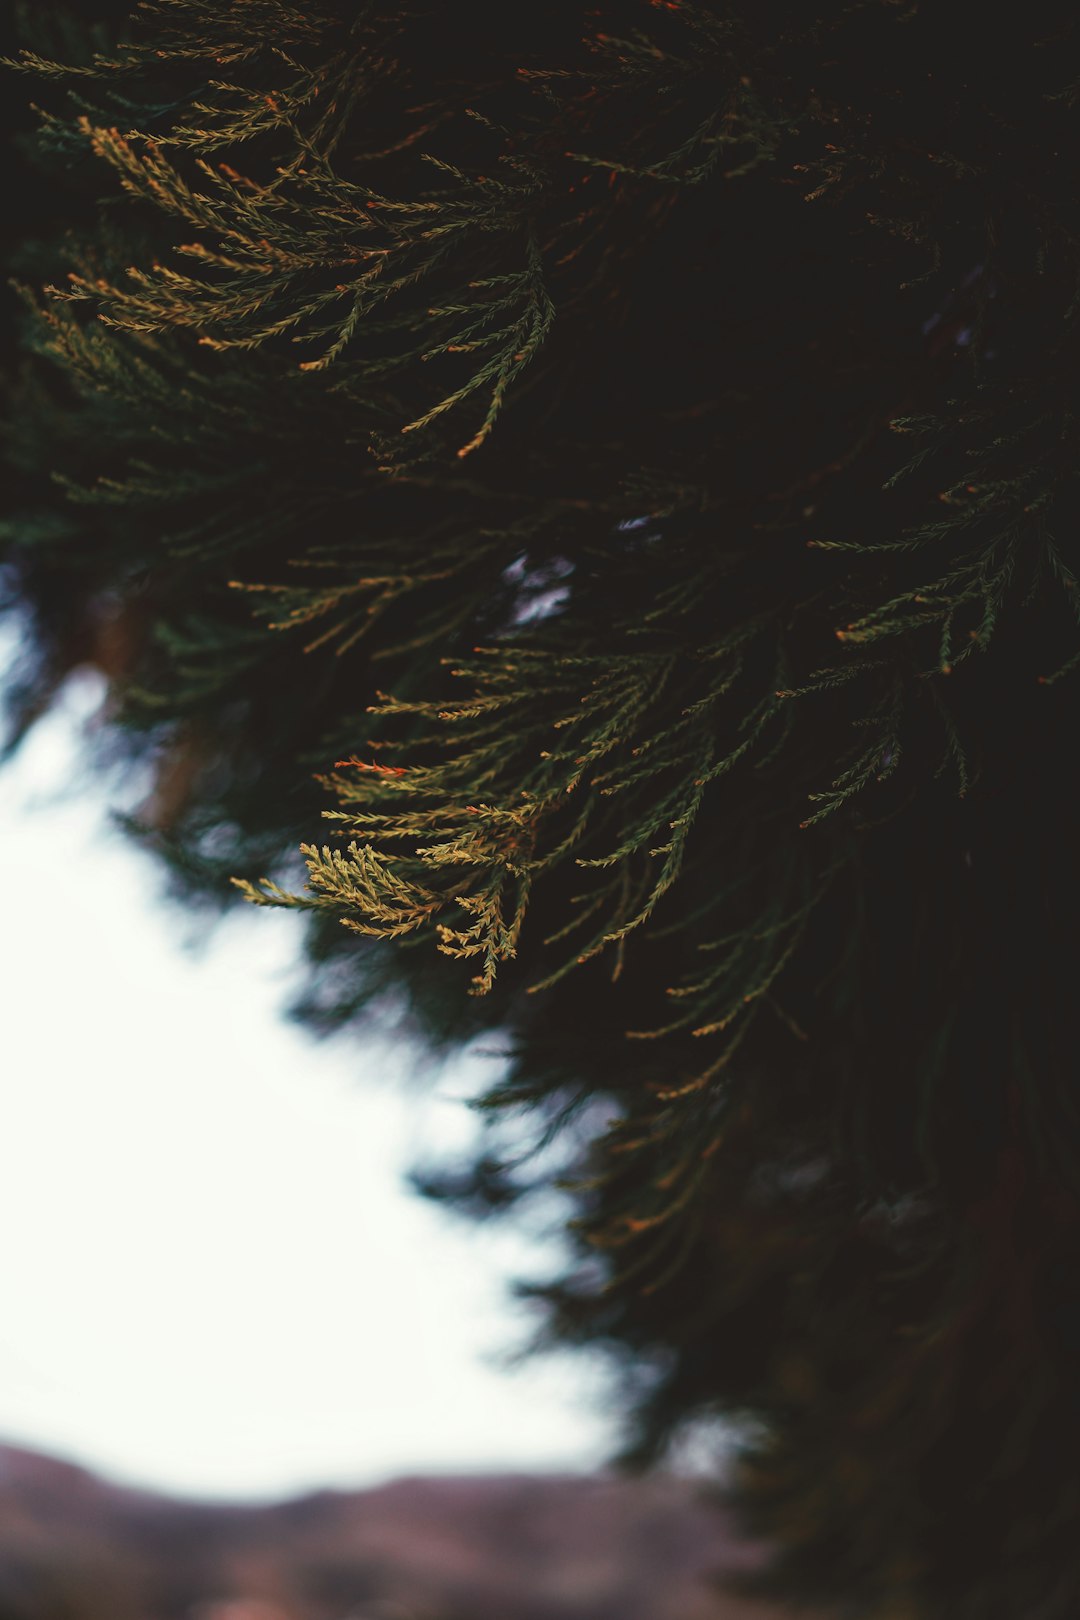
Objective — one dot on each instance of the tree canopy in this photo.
(601, 481)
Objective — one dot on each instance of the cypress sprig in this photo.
(580, 457)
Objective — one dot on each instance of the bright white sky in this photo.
(212, 1277)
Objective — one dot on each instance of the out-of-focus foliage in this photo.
(617, 464)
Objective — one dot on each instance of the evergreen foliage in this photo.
(617, 466)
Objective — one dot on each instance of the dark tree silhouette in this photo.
(616, 463)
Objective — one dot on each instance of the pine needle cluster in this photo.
(602, 482)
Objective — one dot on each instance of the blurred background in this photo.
(245, 1372)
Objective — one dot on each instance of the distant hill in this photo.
(515, 1547)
